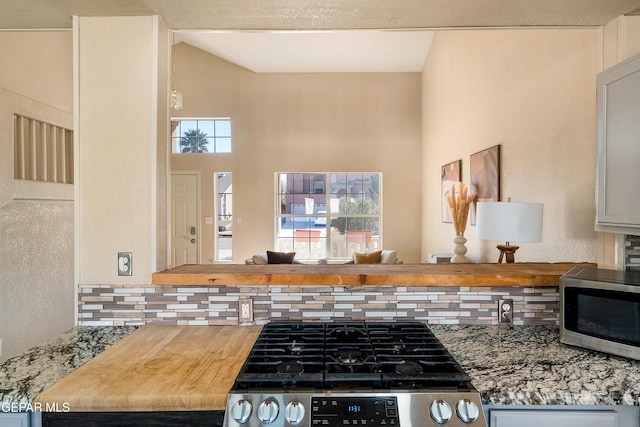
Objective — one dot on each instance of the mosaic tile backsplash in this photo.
(119, 305)
(632, 253)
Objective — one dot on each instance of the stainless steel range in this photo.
(351, 374)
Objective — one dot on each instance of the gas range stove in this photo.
(353, 373)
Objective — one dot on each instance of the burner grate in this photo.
(349, 355)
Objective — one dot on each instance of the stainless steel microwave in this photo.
(600, 310)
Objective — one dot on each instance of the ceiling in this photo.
(317, 51)
(320, 35)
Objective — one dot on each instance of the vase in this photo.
(459, 249)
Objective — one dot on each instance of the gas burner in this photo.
(409, 368)
(291, 368)
(347, 357)
(400, 347)
(345, 331)
(295, 349)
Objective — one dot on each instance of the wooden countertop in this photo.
(518, 274)
(158, 368)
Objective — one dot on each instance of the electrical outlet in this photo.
(125, 263)
(505, 311)
(246, 310)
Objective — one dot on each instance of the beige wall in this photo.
(36, 219)
(121, 131)
(44, 69)
(303, 123)
(533, 92)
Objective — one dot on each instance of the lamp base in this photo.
(507, 252)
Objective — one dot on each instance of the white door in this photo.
(184, 219)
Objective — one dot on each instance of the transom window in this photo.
(201, 135)
(328, 215)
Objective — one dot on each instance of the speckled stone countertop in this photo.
(23, 377)
(527, 365)
(509, 365)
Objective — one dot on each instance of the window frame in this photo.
(219, 234)
(339, 244)
(212, 140)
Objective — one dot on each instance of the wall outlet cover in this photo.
(505, 311)
(125, 263)
(245, 310)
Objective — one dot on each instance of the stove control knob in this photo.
(294, 412)
(268, 411)
(467, 410)
(440, 411)
(241, 411)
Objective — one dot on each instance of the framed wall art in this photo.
(451, 174)
(485, 177)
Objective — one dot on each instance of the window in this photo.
(201, 135)
(333, 221)
(42, 151)
(224, 219)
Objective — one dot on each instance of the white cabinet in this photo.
(562, 416)
(618, 168)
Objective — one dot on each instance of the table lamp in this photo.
(509, 221)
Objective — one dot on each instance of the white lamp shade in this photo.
(509, 221)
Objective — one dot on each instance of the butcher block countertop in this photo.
(518, 274)
(158, 368)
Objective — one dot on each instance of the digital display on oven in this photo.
(333, 411)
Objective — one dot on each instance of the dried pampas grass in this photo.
(459, 205)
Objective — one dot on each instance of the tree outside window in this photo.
(201, 135)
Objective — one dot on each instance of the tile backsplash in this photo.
(632, 253)
(197, 305)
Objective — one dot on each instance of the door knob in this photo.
(193, 240)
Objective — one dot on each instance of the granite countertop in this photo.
(509, 365)
(527, 365)
(23, 377)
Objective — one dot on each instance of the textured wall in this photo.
(36, 274)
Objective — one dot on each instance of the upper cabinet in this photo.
(618, 169)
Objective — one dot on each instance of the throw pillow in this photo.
(388, 257)
(280, 257)
(260, 259)
(370, 258)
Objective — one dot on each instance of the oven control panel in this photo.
(332, 411)
(408, 409)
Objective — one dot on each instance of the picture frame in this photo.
(485, 177)
(451, 174)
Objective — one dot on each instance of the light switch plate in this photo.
(125, 263)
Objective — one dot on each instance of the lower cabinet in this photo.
(562, 416)
(20, 419)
